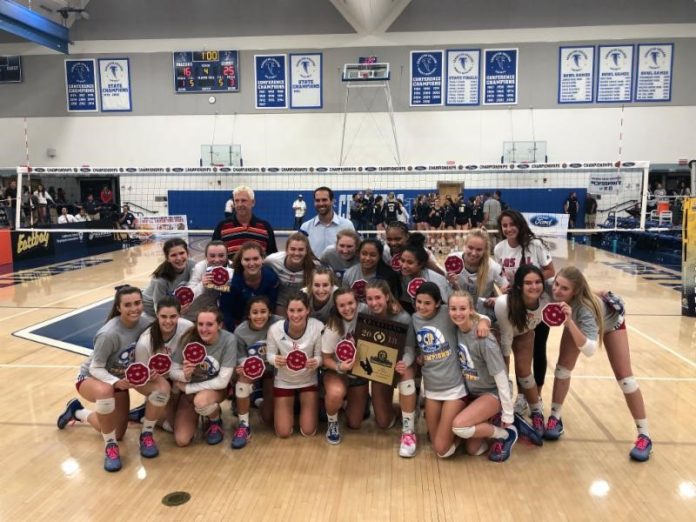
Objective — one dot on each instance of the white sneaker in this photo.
(521, 407)
(408, 445)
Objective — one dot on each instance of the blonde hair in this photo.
(243, 188)
(475, 317)
(584, 295)
(484, 267)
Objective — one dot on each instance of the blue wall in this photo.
(205, 208)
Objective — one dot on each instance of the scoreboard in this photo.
(10, 69)
(206, 71)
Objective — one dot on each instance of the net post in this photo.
(644, 197)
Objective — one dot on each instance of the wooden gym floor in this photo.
(57, 475)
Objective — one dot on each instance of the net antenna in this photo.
(367, 76)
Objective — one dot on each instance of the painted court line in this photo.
(663, 346)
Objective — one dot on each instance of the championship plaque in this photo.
(380, 345)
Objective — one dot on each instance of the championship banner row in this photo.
(623, 73)
(408, 169)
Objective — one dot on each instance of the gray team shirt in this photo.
(436, 340)
(426, 275)
(221, 354)
(334, 261)
(114, 350)
(353, 278)
(252, 342)
(160, 287)
(479, 359)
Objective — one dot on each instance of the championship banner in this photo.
(654, 75)
(380, 344)
(604, 183)
(161, 226)
(615, 77)
(81, 85)
(270, 81)
(114, 85)
(426, 78)
(552, 228)
(576, 74)
(500, 76)
(689, 258)
(305, 81)
(463, 75)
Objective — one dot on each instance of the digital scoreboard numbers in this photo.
(206, 71)
(10, 69)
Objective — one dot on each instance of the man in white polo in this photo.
(321, 229)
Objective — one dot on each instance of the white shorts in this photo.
(453, 394)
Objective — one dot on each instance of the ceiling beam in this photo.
(370, 16)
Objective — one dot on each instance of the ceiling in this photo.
(167, 19)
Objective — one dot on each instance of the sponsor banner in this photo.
(604, 183)
(29, 245)
(306, 81)
(576, 74)
(500, 76)
(547, 224)
(463, 75)
(426, 78)
(270, 81)
(81, 85)
(654, 74)
(615, 76)
(114, 85)
(162, 226)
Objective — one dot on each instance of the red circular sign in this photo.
(454, 264)
(296, 360)
(414, 285)
(184, 295)
(345, 350)
(253, 367)
(396, 262)
(160, 363)
(553, 314)
(194, 353)
(358, 288)
(137, 374)
(220, 275)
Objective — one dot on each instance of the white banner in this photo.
(654, 76)
(615, 73)
(552, 228)
(463, 75)
(604, 183)
(576, 75)
(114, 81)
(305, 81)
(162, 226)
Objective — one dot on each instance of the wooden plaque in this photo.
(380, 345)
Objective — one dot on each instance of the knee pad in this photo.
(589, 348)
(158, 398)
(207, 410)
(628, 384)
(561, 372)
(105, 406)
(243, 389)
(466, 432)
(526, 383)
(407, 387)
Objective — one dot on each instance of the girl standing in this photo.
(370, 268)
(320, 293)
(414, 272)
(201, 279)
(344, 254)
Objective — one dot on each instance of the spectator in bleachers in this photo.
(244, 226)
(11, 202)
(82, 216)
(126, 219)
(42, 199)
(65, 217)
(91, 207)
(106, 196)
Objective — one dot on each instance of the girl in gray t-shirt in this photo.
(204, 384)
(486, 378)
(343, 255)
(173, 272)
(435, 337)
(102, 376)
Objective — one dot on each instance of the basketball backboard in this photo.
(361, 72)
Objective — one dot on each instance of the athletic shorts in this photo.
(290, 392)
(453, 394)
(81, 378)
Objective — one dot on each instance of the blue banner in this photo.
(500, 77)
(270, 81)
(426, 78)
(615, 76)
(576, 74)
(81, 85)
(463, 77)
(654, 75)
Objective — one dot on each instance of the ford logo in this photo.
(273, 169)
(39, 169)
(370, 169)
(420, 167)
(523, 166)
(177, 169)
(471, 167)
(225, 169)
(629, 164)
(322, 169)
(543, 220)
(575, 165)
(131, 169)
